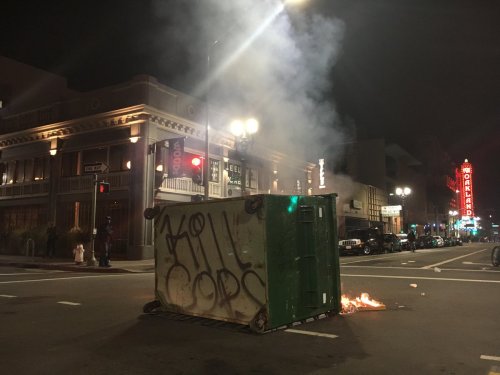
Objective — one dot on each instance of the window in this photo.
(3, 173)
(214, 170)
(95, 155)
(69, 164)
(118, 157)
(41, 168)
(11, 172)
(28, 170)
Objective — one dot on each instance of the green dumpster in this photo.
(262, 260)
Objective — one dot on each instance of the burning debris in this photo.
(361, 303)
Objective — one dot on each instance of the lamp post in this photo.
(403, 193)
(243, 130)
(453, 215)
(282, 5)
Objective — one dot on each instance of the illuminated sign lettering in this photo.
(467, 192)
(322, 173)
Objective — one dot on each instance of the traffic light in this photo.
(103, 187)
(197, 170)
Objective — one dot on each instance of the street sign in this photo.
(95, 168)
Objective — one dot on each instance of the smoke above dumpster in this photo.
(267, 60)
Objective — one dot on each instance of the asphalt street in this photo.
(441, 317)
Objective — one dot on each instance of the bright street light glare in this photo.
(252, 126)
(293, 2)
(237, 128)
(403, 191)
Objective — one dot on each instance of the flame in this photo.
(363, 301)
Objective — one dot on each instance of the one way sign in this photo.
(95, 168)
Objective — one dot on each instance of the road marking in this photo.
(310, 333)
(451, 260)
(69, 303)
(490, 357)
(424, 278)
(478, 264)
(70, 278)
(489, 270)
(25, 273)
(368, 258)
(7, 296)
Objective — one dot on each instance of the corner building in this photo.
(48, 147)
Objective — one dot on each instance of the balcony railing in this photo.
(117, 180)
(83, 184)
(27, 189)
(186, 186)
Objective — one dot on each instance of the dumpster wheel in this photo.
(151, 306)
(259, 322)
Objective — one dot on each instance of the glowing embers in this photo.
(361, 303)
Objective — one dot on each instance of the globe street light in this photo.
(243, 130)
(403, 193)
(211, 77)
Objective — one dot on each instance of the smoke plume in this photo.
(267, 60)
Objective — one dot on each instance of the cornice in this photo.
(119, 118)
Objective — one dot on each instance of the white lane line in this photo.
(25, 273)
(419, 268)
(7, 296)
(70, 278)
(368, 258)
(69, 303)
(423, 278)
(490, 357)
(451, 260)
(311, 333)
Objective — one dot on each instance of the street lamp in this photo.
(210, 78)
(243, 130)
(454, 214)
(403, 193)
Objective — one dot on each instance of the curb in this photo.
(69, 267)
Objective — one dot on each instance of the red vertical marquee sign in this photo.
(467, 195)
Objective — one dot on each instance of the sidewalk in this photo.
(65, 264)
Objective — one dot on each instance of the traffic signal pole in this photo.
(92, 261)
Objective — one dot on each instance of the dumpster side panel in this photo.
(283, 274)
(303, 268)
(210, 260)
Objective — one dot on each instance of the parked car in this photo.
(425, 242)
(439, 241)
(391, 242)
(403, 238)
(362, 241)
(448, 241)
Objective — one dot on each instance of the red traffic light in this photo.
(103, 187)
(196, 162)
(197, 170)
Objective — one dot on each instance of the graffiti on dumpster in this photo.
(207, 277)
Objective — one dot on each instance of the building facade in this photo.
(52, 156)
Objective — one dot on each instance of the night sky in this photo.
(406, 70)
